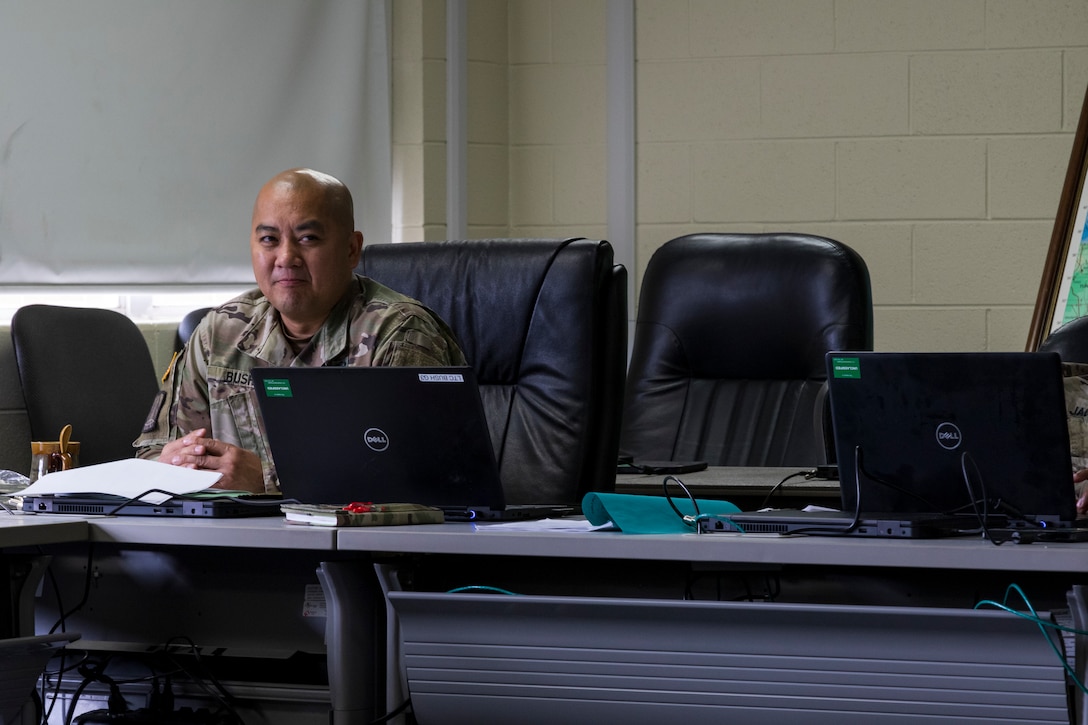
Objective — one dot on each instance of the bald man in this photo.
(309, 309)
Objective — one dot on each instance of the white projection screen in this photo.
(134, 134)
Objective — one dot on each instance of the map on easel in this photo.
(1072, 300)
(1063, 290)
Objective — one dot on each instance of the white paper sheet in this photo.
(128, 478)
(564, 524)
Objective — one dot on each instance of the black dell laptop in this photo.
(386, 435)
(934, 444)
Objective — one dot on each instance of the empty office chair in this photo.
(727, 362)
(187, 325)
(543, 323)
(1070, 341)
(90, 368)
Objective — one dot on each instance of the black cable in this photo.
(857, 505)
(929, 505)
(182, 497)
(54, 697)
(92, 672)
(75, 700)
(219, 693)
(692, 520)
(980, 514)
(999, 505)
(767, 499)
(62, 621)
(393, 713)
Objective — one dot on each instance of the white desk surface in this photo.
(36, 530)
(966, 553)
(956, 553)
(262, 532)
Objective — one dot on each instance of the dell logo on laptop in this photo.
(376, 439)
(948, 436)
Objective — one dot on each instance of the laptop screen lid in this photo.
(379, 434)
(934, 430)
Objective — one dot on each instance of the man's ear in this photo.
(355, 249)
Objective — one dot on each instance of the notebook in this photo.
(928, 442)
(385, 435)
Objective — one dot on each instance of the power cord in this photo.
(927, 505)
(52, 694)
(1017, 526)
(856, 518)
(216, 691)
(393, 713)
(1043, 624)
(161, 700)
(181, 497)
(96, 672)
(808, 475)
(90, 575)
(982, 515)
(481, 588)
(689, 519)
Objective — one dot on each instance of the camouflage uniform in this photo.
(209, 385)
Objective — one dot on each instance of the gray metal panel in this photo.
(474, 658)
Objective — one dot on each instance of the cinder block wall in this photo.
(931, 135)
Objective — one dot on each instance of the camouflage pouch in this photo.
(1075, 376)
(361, 514)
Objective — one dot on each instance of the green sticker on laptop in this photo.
(277, 388)
(845, 367)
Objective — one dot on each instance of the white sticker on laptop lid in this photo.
(441, 378)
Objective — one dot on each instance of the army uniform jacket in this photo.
(209, 384)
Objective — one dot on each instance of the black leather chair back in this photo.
(543, 323)
(1070, 341)
(727, 364)
(188, 325)
(89, 368)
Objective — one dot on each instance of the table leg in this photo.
(355, 641)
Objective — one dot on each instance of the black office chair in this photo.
(90, 368)
(187, 325)
(727, 364)
(543, 322)
(1070, 341)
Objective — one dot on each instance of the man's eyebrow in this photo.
(310, 225)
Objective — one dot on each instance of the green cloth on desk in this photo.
(638, 514)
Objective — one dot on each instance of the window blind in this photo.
(135, 135)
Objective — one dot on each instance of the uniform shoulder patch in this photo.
(152, 420)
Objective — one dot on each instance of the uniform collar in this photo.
(265, 340)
